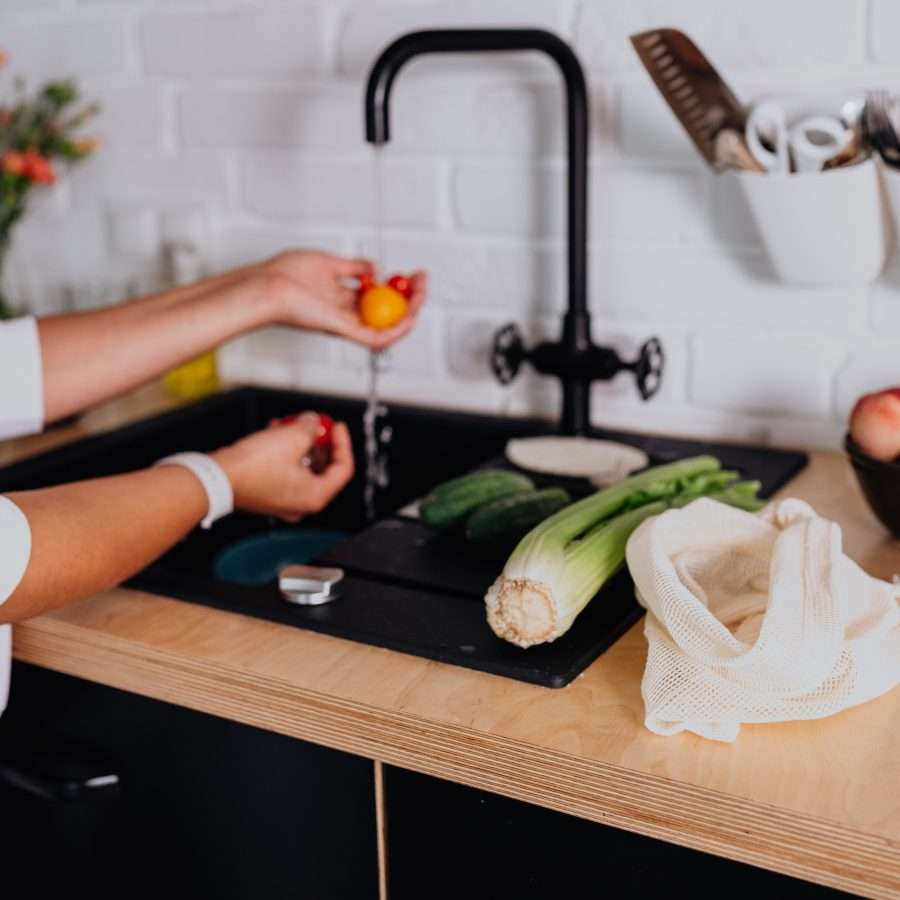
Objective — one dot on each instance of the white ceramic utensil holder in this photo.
(821, 227)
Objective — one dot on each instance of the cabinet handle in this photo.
(58, 789)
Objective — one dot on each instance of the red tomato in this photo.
(366, 281)
(401, 284)
(326, 426)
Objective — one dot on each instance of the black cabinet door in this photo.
(448, 842)
(203, 807)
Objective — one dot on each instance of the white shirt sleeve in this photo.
(15, 551)
(15, 547)
(21, 378)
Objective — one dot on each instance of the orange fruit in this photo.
(382, 307)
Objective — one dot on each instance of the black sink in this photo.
(405, 589)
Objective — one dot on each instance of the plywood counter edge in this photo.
(430, 718)
(699, 818)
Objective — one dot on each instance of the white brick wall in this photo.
(763, 372)
(884, 18)
(324, 117)
(258, 43)
(237, 124)
(88, 46)
(735, 33)
(371, 26)
(327, 189)
(133, 114)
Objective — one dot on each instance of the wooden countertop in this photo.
(818, 800)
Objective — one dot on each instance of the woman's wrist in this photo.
(274, 290)
(215, 480)
(229, 462)
(251, 303)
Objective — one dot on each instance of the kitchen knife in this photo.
(732, 152)
(695, 91)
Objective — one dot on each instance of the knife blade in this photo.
(696, 93)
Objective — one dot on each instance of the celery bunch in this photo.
(559, 566)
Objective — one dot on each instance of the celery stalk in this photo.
(558, 567)
(552, 575)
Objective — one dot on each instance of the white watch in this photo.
(213, 478)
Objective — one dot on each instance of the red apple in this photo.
(875, 424)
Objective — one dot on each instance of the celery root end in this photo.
(521, 611)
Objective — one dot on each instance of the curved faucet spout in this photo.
(464, 40)
(468, 40)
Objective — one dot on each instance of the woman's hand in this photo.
(268, 475)
(90, 535)
(315, 291)
(89, 357)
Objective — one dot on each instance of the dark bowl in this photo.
(880, 483)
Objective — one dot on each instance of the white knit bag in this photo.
(757, 618)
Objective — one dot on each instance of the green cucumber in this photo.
(450, 503)
(506, 521)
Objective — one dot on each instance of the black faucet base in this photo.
(576, 369)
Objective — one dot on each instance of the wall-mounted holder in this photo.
(588, 363)
(820, 228)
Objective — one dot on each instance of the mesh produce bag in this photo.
(757, 618)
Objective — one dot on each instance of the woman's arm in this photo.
(91, 535)
(92, 356)
(88, 536)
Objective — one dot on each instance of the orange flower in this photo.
(13, 162)
(38, 168)
(4, 57)
(84, 146)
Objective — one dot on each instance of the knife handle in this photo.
(732, 150)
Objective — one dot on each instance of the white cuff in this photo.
(15, 547)
(213, 478)
(21, 378)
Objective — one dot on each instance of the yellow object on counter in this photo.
(193, 379)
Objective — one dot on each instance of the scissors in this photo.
(804, 147)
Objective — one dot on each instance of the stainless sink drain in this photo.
(309, 585)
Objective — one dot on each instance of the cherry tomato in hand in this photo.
(401, 284)
(366, 280)
(326, 426)
(320, 453)
(382, 307)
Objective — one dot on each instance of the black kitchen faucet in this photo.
(574, 359)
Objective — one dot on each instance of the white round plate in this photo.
(603, 462)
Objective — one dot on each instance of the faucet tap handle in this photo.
(591, 363)
(508, 353)
(648, 367)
